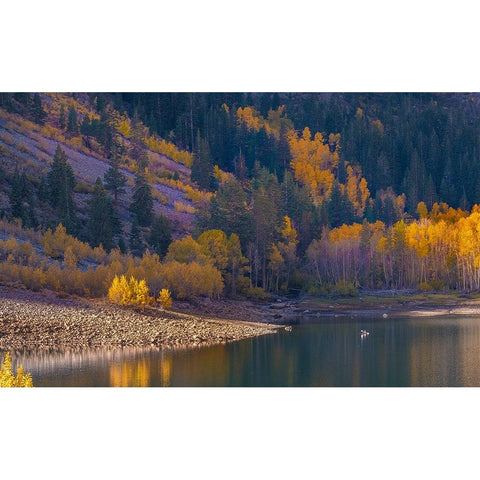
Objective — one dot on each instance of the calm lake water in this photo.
(437, 351)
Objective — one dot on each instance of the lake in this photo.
(416, 351)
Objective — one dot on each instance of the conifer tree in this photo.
(339, 207)
(122, 245)
(137, 146)
(62, 119)
(61, 182)
(38, 113)
(85, 127)
(16, 196)
(135, 241)
(102, 220)
(22, 200)
(72, 122)
(142, 203)
(202, 168)
(160, 235)
(100, 103)
(115, 180)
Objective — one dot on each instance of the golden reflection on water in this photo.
(130, 374)
(166, 371)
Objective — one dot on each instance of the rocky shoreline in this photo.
(307, 308)
(42, 320)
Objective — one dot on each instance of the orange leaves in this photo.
(313, 162)
(128, 292)
(345, 233)
(357, 190)
(169, 150)
(272, 124)
(251, 118)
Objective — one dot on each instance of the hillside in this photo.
(27, 146)
(240, 194)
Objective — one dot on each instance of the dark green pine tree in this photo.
(22, 200)
(122, 245)
(38, 113)
(72, 122)
(103, 222)
(142, 203)
(61, 182)
(85, 128)
(160, 235)
(62, 119)
(16, 196)
(115, 180)
(202, 168)
(430, 192)
(137, 146)
(228, 210)
(137, 247)
(339, 207)
(100, 103)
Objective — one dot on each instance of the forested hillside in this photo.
(253, 193)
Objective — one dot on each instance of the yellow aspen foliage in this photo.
(357, 190)
(165, 298)
(129, 292)
(119, 292)
(189, 280)
(8, 377)
(214, 244)
(69, 258)
(221, 176)
(124, 127)
(186, 250)
(276, 261)
(140, 292)
(379, 126)
(255, 121)
(422, 210)
(56, 243)
(313, 163)
(168, 149)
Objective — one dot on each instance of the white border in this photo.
(244, 46)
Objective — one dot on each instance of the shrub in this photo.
(128, 292)
(163, 199)
(8, 378)
(257, 293)
(425, 287)
(22, 148)
(345, 290)
(188, 280)
(431, 286)
(7, 138)
(164, 298)
(82, 187)
(183, 207)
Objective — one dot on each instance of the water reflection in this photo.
(398, 352)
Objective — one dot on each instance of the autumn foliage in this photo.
(8, 377)
(131, 292)
(164, 298)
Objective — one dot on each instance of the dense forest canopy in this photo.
(287, 191)
(422, 144)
